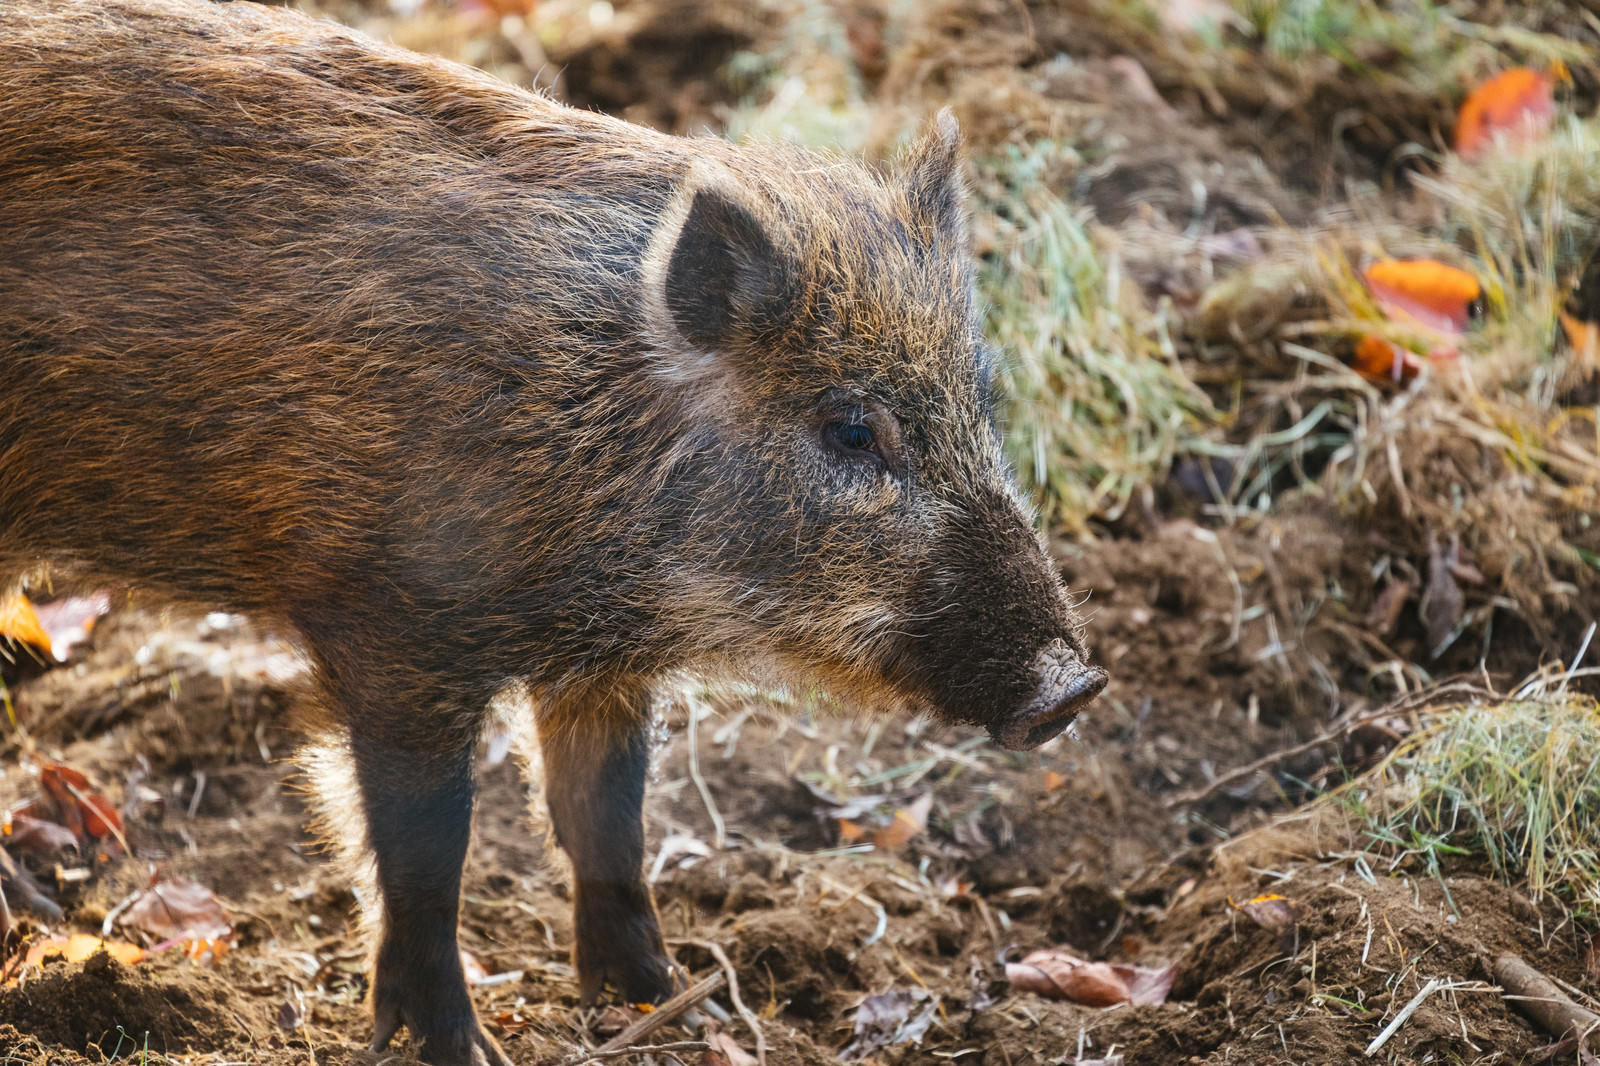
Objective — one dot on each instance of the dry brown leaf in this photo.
(23, 832)
(1384, 614)
(906, 823)
(725, 1051)
(1059, 974)
(1442, 605)
(179, 910)
(1274, 913)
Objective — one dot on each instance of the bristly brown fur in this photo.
(470, 388)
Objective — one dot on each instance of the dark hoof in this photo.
(444, 1035)
(646, 976)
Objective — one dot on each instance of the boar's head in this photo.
(857, 519)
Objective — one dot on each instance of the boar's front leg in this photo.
(415, 775)
(596, 757)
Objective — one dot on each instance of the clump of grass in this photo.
(1517, 781)
(1428, 44)
(1096, 402)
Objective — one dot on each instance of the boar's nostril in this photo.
(1067, 685)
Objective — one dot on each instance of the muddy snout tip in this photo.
(1068, 685)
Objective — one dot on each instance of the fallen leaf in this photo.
(725, 1051)
(70, 620)
(1511, 109)
(1059, 974)
(884, 1020)
(79, 947)
(291, 1015)
(511, 1021)
(1053, 781)
(1275, 914)
(1384, 362)
(471, 968)
(1442, 605)
(1584, 338)
(77, 806)
(906, 823)
(179, 910)
(24, 832)
(20, 622)
(1426, 292)
(1384, 614)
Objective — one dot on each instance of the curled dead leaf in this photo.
(1274, 913)
(180, 910)
(1059, 974)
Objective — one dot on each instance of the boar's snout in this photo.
(1067, 685)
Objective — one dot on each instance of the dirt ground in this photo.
(1074, 845)
(1126, 843)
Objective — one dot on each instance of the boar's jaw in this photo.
(1067, 685)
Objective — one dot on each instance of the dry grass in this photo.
(1097, 404)
(1515, 780)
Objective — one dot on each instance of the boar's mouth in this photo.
(1052, 710)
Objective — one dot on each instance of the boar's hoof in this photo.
(639, 974)
(447, 1037)
(1067, 685)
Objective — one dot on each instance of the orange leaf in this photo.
(82, 809)
(907, 823)
(79, 947)
(1425, 291)
(20, 622)
(1053, 781)
(1385, 363)
(1512, 108)
(1584, 338)
(850, 832)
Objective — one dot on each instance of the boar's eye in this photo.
(863, 431)
(851, 436)
(854, 439)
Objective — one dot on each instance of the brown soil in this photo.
(1098, 862)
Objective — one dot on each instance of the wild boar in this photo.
(466, 388)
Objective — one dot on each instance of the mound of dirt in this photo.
(104, 1008)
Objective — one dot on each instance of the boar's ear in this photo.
(932, 176)
(714, 272)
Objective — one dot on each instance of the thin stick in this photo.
(745, 1013)
(1404, 1016)
(719, 838)
(1185, 798)
(639, 1049)
(642, 1028)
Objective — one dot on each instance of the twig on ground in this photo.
(639, 1049)
(642, 1028)
(1183, 799)
(1536, 996)
(1394, 708)
(1404, 1016)
(720, 830)
(745, 1013)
